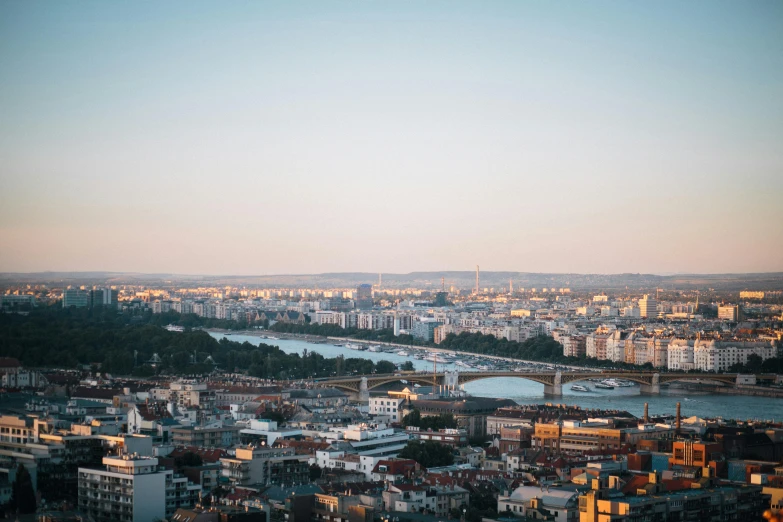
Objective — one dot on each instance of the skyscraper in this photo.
(76, 298)
(103, 297)
(363, 300)
(648, 307)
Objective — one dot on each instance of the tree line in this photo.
(124, 343)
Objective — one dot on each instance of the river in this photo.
(529, 392)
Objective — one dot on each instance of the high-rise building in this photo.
(103, 297)
(648, 307)
(730, 313)
(425, 329)
(76, 298)
(363, 300)
(133, 489)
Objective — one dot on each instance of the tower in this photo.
(477, 279)
(510, 286)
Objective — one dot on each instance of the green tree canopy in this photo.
(428, 453)
(430, 422)
(22, 492)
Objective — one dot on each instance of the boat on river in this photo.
(579, 388)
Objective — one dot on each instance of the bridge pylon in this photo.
(556, 388)
(654, 388)
(364, 391)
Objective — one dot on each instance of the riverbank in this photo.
(746, 390)
(320, 339)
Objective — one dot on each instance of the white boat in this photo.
(403, 381)
(273, 338)
(604, 386)
(417, 385)
(580, 388)
(402, 353)
(374, 348)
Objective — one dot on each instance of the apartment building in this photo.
(731, 313)
(450, 437)
(391, 407)
(578, 436)
(133, 489)
(688, 453)
(595, 345)
(717, 504)
(215, 435)
(413, 498)
(573, 345)
(265, 466)
(376, 441)
(648, 307)
(533, 501)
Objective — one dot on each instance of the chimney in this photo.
(646, 413)
(678, 419)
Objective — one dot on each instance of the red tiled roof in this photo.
(9, 362)
(207, 455)
(396, 467)
(677, 484)
(637, 482)
(408, 487)
(154, 411)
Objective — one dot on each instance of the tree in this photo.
(385, 367)
(189, 458)
(22, 493)
(315, 472)
(432, 422)
(428, 453)
(407, 366)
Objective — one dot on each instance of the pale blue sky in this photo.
(289, 137)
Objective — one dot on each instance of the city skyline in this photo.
(391, 137)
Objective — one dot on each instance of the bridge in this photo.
(650, 382)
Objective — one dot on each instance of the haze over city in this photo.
(309, 137)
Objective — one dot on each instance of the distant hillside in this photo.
(458, 279)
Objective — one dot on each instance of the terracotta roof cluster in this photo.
(9, 363)
(210, 456)
(84, 392)
(301, 447)
(396, 466)
(462, 476)
(354, 488)
(153, 411)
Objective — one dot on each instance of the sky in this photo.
(391, 136)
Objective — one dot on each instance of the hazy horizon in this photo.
(317, 137)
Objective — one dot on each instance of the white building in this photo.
(133, 489)
(680, 355)
(648, 307)
(615, 346)
(720, 356)
(387, 406)
(527, 500)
